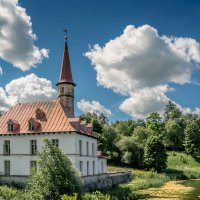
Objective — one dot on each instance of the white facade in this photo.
(80, 149)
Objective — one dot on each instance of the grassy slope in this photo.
(179, 166)
(182, 166)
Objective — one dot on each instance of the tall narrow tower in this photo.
(65, 83)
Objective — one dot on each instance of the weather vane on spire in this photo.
(65, 30)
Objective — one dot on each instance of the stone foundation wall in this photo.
(102, 181)
(14, 180)
(90, 183)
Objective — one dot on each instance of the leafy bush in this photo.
(66, 197)
(132, 152)
(8, 193)
(54, 176)
(96, 196)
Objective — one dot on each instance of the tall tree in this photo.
(155, 156)
(54, 176)
(174, 132)
(172, 111)
(154, 122)
(192, 138)
(107, 140)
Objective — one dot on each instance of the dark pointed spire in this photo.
(65, 71)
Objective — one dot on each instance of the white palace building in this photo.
(24, 126)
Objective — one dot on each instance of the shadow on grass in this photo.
(196, 158)
(175, 174)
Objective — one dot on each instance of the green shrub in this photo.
(96, 196)
(8, 193)
(66, 197)
(54, 176)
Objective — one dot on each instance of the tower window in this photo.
(62, 90)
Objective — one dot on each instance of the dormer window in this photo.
(31, 126)
(10, 127)
(13, 126)
(39, 114)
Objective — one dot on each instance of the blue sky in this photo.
(98, 22)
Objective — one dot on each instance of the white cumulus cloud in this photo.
(26, 89)
(17, 37)
(139, 63)
(93, 107)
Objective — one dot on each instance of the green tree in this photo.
(54, 176)
(124, 128)
(154, 122)
(132, 151)
(140, 134)
(107, 140)
(174, 134)
(192, 138)
(172, 111)
(155, 156)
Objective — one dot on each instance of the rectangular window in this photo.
(31, 126)
(81, 167)
(80, 147)
(55, 142)
(33, 147)
(87, 148)
(7, 167)
(10, 127)
(88, 168)
(93, 167)
(6, 147)
(62, 90)
(93, 154)
(33, 166)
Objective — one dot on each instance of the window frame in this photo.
(81, 167)
(88, 168)
(80, 148)
(31, 126)
(55, 142)
(6, 147)
(87, 149)
(93, 154)
(10, 127)
(6, 167)
(33, 147)
(33, 166)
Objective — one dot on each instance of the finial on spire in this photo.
(65, 30)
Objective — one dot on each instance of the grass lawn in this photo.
(179, 167)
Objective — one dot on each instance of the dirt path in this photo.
(174, 190)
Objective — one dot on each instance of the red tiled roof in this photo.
(65, 72)
(57, 118)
